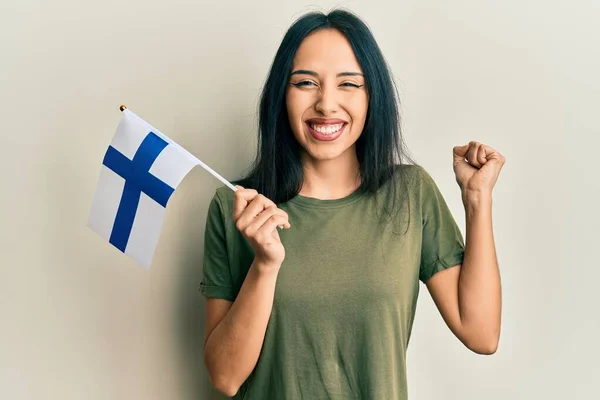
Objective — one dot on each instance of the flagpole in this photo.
(124, 108)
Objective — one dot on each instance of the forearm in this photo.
(479, 288)
(233, 347)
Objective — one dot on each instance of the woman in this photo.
(323, 308)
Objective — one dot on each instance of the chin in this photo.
(325, 154)
(327, 157)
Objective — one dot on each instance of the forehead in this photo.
(326, 50)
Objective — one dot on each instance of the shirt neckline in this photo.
(328, 203)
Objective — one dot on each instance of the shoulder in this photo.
(412, 175)
(222, 201)
(219, 216)
(416, 182)
(401, 186)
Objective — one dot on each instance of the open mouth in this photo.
(326, 129)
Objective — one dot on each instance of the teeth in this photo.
(327, 129)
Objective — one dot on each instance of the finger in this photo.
(241, 199)
(492, 155)
(266, 230)
(258, 204)
(276, 211)
(481, 155)
(263, 217)
(472, 154)
(459, 153)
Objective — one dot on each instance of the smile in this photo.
(326, 132)
(328, 129)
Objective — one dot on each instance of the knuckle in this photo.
(267, 212)
(264, 199)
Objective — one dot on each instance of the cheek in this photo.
(358, 110)
(295, 112)
(295, 108)
(288, 104)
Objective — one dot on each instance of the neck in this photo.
(330, 179)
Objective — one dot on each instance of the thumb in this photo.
(459, 152)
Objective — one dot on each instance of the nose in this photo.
(326, 102)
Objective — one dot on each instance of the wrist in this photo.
(476, 202)
(475, 198)
(263, 268)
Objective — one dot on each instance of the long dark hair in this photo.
(277, 170)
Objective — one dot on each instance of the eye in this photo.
(350, 84)
(303, 83)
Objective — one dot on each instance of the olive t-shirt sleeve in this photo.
(216, 280)
(442, 241)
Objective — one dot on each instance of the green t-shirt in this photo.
(346, 293)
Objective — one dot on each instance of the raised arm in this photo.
(469, 296)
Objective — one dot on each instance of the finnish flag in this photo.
(140, 171)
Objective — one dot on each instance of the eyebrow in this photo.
(313, 73)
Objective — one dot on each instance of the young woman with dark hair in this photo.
(323, 307)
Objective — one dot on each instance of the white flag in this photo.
(140, 171)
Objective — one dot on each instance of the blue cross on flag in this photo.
(140, 171)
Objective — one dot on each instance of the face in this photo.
(326, 97)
